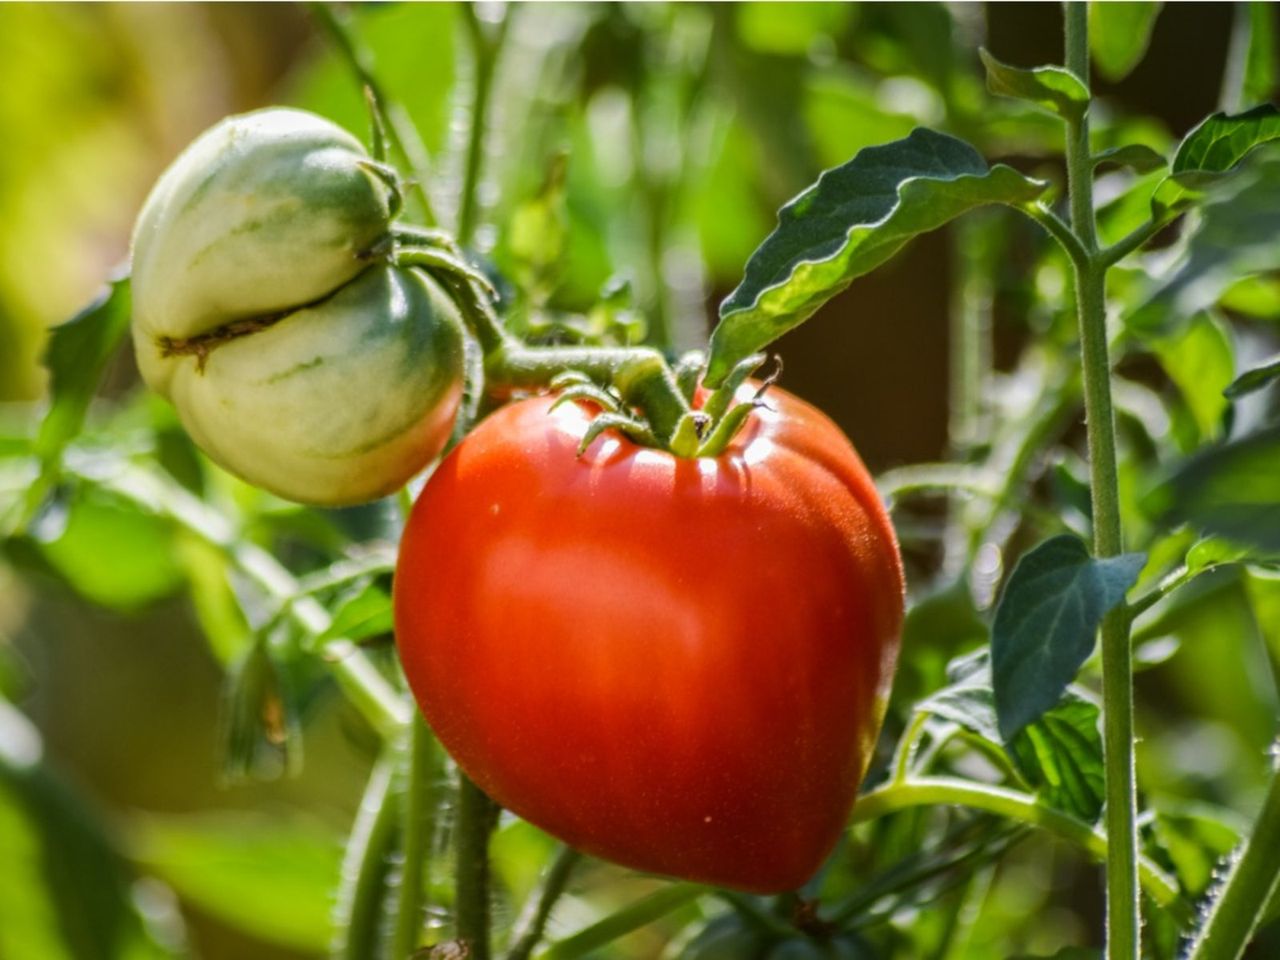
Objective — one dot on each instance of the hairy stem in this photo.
(417, 830)
(1123, 919)
(476, 817)
(1251, 884)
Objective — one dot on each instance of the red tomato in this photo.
(678, 665)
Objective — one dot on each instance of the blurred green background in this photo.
(650, 142)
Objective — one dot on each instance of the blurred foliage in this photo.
(636, 158)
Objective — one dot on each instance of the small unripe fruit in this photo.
(297, 358)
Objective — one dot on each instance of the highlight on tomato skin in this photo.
(678, 665)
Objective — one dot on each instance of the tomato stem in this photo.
(1252, 883)
(418, 823)
(476, 817)
(1123, 918)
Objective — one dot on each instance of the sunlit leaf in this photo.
(852, 220)
(365, 613)
(1212, 150)
(1200, 359)
(1055, 89)
(1119, 34)
(114, 554)
(271, 877)
(1047, 621)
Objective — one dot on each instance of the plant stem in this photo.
(1013, 805)
(1123, 919)
(366, 867)
(476, 816)
(400, 129)
(484, 51)
(1252, 882)
(553, 885)
(417, 830)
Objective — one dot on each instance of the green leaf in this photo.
(1136, 156)
(65, 891)
(1059, 754)
(1230, 491)
(1055, 89)
(1194, 840)
(1235, 237)
(1119, 33)
(1046, 623)
(1254, 379)
(270, 877)
(853, 219)
(77, 354)
(115, 555)
(1201, 361)
(365, 613)
(1212, 150)
(1260, 65)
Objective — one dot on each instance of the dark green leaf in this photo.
(1055, 89)
(268, 876)
(1230, 491)
(1135, 156)
(1119, 34)
(1046, 623)
(1214, 148)
(1254, 379)
(852, 220)
(77, 354)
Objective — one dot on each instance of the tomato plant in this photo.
(584, 636)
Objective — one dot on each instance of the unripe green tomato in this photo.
(264, 212)
(336, 403)
(294, 358)
(725, 938)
